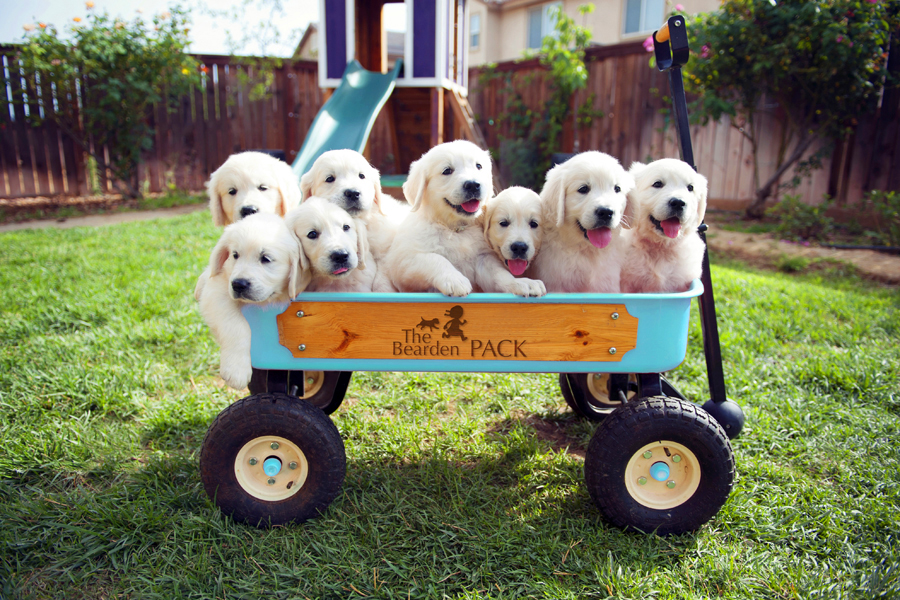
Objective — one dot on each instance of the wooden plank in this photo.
(560, 332)
(52, 134)
(8, 156)
(20, 129)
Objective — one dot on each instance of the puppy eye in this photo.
(265, 259)
(361, 176)
(658, 184)
(346, 228)
(232, 192)
(447, 171)
(533, 224)
(263, 188)
(690, 187)
(478, 166)
(503, 223)
(312, 234)
(617, 189)
(235, 255)
(584, 189)
(329, 179)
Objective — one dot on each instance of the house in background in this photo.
(308, 48)
(501, 30)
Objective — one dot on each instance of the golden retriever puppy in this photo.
(512, 227)
(256, 260)
(346, 178)
(441, 245)
(665, 252)
(333, 247)
(248, 183)
(584, 201)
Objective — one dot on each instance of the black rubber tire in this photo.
(576, 391)
(328, 397)
(628, 429)
(273, 415)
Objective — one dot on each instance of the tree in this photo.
(824, 62)
(103, 77)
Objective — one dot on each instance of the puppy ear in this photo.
(288, 188)
(379, 194)
(701, 189)
(298, 276)
(219, 217)
(629, 185)
(219, 255)
(488, 215)
(362, 243)
(414, 188)
(306, 184)
(636, 167)
(553, 196)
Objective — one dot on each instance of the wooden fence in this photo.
(220, 118)
(631, 97)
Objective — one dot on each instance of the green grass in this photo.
(458, 485)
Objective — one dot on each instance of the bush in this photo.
(886, 208)
(801, 222)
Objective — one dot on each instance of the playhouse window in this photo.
(475, 30)
(540, 23)
(643, 15)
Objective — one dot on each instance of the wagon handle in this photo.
(663, 34)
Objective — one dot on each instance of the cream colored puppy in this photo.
(584, 201)
(346, 178)
(665, 252)
(334, 247)
(248, 183)
(512, 227)
(442, 245)
(256, 261)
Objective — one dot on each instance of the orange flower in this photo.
(42, 25)
(90, 5)
(77, 19)
(28, 27)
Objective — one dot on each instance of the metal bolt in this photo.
(670, 484)
(642, 480)
(271, 481)
(614, 316)
(301, 347)
(274, 445)
(612, 350)
(310, 381)
(253, 461)
(598, 375)
(677, 23)
(648, 454)
(300, 313)
(676, 458)
(292, 465)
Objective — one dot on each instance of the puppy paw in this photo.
(527, 287)
(454, 286)
(235, 372)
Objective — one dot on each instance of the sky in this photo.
(207, 34)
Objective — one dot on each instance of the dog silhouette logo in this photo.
(452, 327)
(430, 323)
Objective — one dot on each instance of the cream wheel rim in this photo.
(271, 468)
(598, 386)
(312, 383)
(662, 475)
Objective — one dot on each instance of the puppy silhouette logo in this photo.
(430, 323)
(452, 327)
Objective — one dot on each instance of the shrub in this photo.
(800, 221)
(886, 208)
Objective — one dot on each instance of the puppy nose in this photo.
(604, 214)
(240, 286)
(339, 256)
(676, 205)
(519, 248)
(246, 211)
(351, 194)
(472, 186)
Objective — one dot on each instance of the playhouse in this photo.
(423, 95)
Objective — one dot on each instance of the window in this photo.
(540, 23)
(644, 15)
(475, 31)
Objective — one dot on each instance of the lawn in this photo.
(458, 486)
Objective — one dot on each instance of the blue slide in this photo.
(345, 121)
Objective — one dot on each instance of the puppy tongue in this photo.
(471, 206)
(600, 237)
(671, 227)
(339, 271)
(517, 266)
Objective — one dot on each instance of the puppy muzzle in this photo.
(340, 262)
(246, 211)
(350, 201)
(242, 289)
